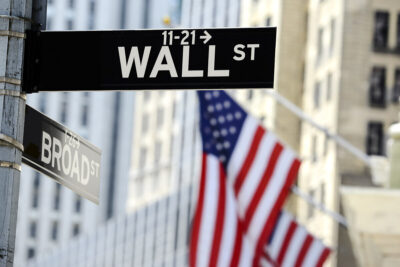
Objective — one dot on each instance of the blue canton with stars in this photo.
(221, 120)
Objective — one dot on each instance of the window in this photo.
(375, 138)
(56, 203)
(35, 190)
(42, 102)
(396, 88)
(320, 44)
(317, 93)
(398, 32)
(322, 189)
(332, 38)
(326, 141)
(92, 11)
(78, 204)
(32, 229)
(75, 229)
(249, 94)
(377, 87)
(310, 208)
(64, 108)
(329, 87)
(314, 148)
(31, 253)
(142, 157)
(85, 109)
(70, 24)
(268, 21)
(381, 30)
(145, 122)
(146, 95)
(49, 23)
(157, 152)
(54, 231)
(160, 116)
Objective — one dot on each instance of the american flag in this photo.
(291, 245)
(246, 176)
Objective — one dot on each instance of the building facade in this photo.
(338, 61)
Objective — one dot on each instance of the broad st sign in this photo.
(57, 152)
(150, 59)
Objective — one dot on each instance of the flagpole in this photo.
(338, 139)
(336, 216)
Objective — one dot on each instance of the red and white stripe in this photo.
(293, 246)
(217, 226)
(261, 171)
(237, 210)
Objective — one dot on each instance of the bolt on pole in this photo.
(14, 20)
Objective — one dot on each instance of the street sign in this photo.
(52, 149)
(150, 59)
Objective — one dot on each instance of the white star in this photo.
(227, 104)
(213, 121)
(216, 94)
(229, 117)
(221, 119)
(238, 115)
(219, 146)
(232, 129)
(227, 144)
(224, 132)
(216, 134)
(218, 106)
(222, 158)
(208, 96)
(210, 108)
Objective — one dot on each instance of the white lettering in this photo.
(240, 54)
(212, 72)
(56, 153)
(252, 50)
(46, 145)
(185, 65)
(159, 66)
(85, 171)
(66, 168)
(75, 167)
(140, 65)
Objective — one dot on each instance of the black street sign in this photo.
(150, 59)
(57, 152)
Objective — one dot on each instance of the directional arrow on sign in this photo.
(206, 37)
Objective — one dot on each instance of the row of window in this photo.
(322, 51)
(381, 31)
(377, 87)
(57, 196)
(64, 107)
(70, 21)
(54, 230)
(312, 193)
(318, 91)
(53, 234)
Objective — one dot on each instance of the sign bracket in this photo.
(30, 80)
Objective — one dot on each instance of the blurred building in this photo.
(49, 214)
(338, 61)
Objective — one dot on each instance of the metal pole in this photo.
(338, 139)
(14, 20)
